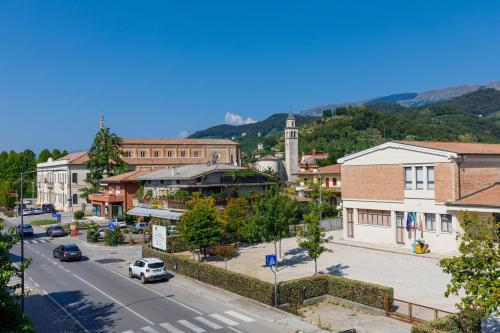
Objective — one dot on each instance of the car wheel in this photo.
(143, 279)
(54, 254)
(130, 274)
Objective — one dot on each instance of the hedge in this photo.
(442, 325)
(237, 283)
(296, 291)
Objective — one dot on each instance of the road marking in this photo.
(171, 328)
(209, 323)
(29, 277)
(66, 312)
(115, 300)
(129, 331)
(36, 284)
(67, 270)
(149, 329)
(154, 291)
(36, 251)
(239, 316)
(223, 319)
(234, 329)
(191, 326)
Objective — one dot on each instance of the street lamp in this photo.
(21, 202)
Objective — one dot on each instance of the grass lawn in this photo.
(43, 222)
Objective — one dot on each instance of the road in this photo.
(96, 295)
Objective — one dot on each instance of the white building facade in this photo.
(60, 182)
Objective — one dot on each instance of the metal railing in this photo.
(411, 312)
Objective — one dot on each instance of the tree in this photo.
(44, 156)
(273, 212)
(475, 274)
(200, 226)
(226, 252)
(12, 318)
(6, 197)
(235, 219)
(105, 159)
(327, 113)
(312, 238)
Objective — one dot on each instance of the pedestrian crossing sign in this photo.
(271, 260)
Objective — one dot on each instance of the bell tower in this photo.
(291, 147)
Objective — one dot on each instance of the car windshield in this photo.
(26, 226)
(57, 228)
(71, 248)
(155, 265)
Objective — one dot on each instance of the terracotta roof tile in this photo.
(487, 197)
(458, 147)
(165, 141)
(76, 158)
(332, 168)
(127, 176)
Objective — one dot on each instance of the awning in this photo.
(160, 213)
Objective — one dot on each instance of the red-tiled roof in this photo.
(164, 141)
(76, 158)
(458, 147)
(487, 197)
(332, 168)
(127, 176)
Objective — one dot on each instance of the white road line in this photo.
(66, 311)
(209, 323)
(129, 331)
(29, 277)
(154, 291)
(115, 300)
(36, 251)
(37, 285)
(67, 270)
(223, 319)
(239, 316)
(171, 328)
(149, 329)
(191, 326)
(234, 329)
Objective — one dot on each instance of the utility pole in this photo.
(22, 245)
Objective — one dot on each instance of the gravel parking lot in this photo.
(414, 279)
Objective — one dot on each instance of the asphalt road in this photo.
(96, 298)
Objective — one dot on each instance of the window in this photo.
(169, 153)
(118, 189)
(126, 153)
(334, 181)
(195, 153)
(430, 222)
(156, 153)
(375, 217)
(430, 178)
(74, 178)
(446, 223)
(420, 177)
(143, 153)
(408, 178)
(75, 199)
(183, 153)
(110, 189)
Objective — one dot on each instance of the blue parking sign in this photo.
(270, 260)
(54, 214)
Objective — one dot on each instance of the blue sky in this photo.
(161, 68)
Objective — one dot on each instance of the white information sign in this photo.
(160, 237)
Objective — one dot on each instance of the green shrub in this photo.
(114, 237)
(9, 213)
(78, 215)
(92, 232)
(447, 324)
(237, 283)
(296, 291)
(358, 291)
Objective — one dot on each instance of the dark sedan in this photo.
(67, 252)
(26, 230)
(56, 231)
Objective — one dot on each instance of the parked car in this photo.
(19, 208)
(101, 232)
(26, 230)
(48, 208)
(148, 269)
(139, 228)
(56, 230)
(67, 252)
(37, 211)
(121, 224)
(27, 211)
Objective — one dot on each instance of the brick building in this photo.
(432, 182)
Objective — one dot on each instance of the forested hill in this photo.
(471, 117)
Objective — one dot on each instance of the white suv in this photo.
(147, 269)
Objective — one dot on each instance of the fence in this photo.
(411, 312)
(331, 224)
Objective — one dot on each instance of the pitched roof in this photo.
(76, 158)
(269, 158)
(332, 168)
(188, 171)
(487, 197)
(458, 147)
(127, 176)
(166, 141)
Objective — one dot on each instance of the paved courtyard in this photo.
(415, 279)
